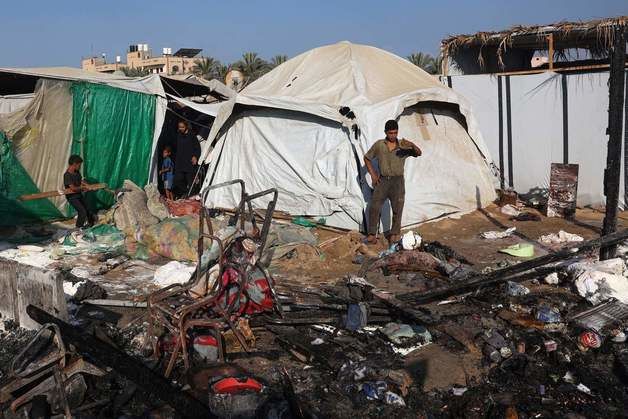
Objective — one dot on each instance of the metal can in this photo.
(618, 335)
(550, 345)
(492, 354)
(589, 339)
(521, 347)
(505, 352)
(548, 314)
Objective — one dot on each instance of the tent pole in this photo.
(550, 41)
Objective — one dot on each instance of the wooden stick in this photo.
(117, 303)
(50, 194)
(329, 241)
(555, 70)
(281, 216)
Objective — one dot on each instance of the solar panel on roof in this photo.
(187, 52)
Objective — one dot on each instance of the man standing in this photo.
(186, 159)
(391, 154)
(73, 180)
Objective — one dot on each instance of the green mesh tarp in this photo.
(112, 131)
(14, 182)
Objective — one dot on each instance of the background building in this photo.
(141, 57)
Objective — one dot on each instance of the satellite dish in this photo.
(235, 80)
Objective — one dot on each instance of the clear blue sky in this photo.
(60, 32)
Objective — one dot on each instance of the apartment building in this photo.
(140, 56)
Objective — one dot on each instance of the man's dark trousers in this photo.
(393, 188)
(183, 182)
(78, 203)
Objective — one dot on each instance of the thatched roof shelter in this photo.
(512, 49)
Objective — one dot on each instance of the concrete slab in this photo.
(21, 285)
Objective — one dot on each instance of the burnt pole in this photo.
(617, 58)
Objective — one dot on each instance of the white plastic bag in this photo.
(173, 273)
(492, 235)
(411, 241)
(598, 286)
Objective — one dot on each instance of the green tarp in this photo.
(14, 182)
(112, 131)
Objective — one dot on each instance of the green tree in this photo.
(437, 65)
(252, 66)
(278, 60)
(221, 71)
(425, 62)
(206, 67)
(135, 72)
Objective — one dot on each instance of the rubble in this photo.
(419, 330)
(560, 238)
(492, 235)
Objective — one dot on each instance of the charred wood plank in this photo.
(404, 310)
(147, 380)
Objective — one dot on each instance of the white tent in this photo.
(304, 128)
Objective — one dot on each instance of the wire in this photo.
(189, 120)
(163, 80)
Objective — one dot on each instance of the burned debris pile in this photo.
(412, 330)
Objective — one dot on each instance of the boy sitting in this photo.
(73, 180)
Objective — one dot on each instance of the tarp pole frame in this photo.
(509, 128)
(563, 79)
(500, 112)
(361, 178)
(626, 141)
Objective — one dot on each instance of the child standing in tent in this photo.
(73, 180)
(167, 172)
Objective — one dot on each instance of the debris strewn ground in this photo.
(352, 340)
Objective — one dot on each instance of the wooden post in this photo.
(550, 53)
(617, 57)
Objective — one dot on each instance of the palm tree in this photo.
(252, 66)
(135, 72)
(206, 68)
(278, 60)
(437, 65)
(423, 61)
(221, 71)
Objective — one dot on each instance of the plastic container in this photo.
(548, 314)
(589, 339)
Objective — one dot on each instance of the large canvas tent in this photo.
(304, 127)
(113, 122)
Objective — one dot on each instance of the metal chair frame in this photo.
(206, 312)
